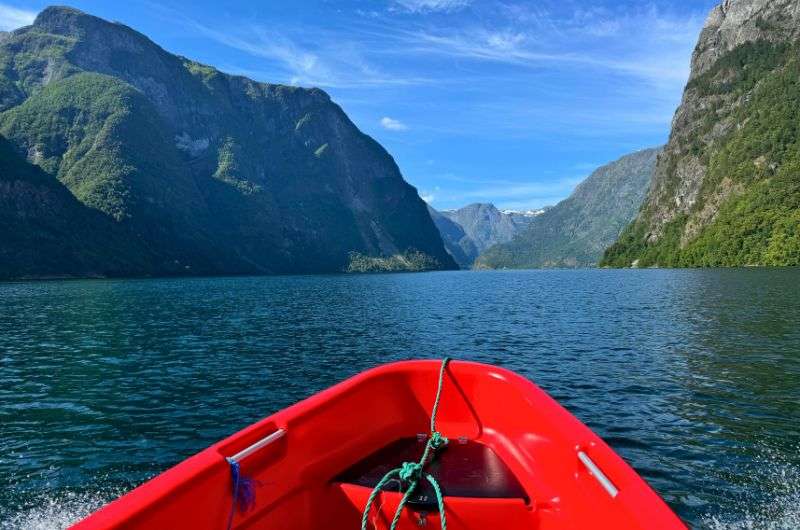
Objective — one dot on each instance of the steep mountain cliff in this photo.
(47, 232)
(214, 173)
(726, 191)
(575, 232)
(470, 230)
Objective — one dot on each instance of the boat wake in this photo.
(783, 514)
(58, 511)
(769, 500)
(780, 512)
(779, 506)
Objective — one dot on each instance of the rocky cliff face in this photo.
(576, 231)
(725, 189)
(214, 173)
(470, 230)
(456, 240)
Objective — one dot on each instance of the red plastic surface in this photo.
(537, 438)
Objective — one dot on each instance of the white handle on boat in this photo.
(599, 475)
(247, 451)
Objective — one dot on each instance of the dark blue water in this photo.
(692, 376)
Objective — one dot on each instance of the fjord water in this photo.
(693, 376)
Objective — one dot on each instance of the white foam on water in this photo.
(59, 511)
(778, 482)
(772, 502)
(783, 515)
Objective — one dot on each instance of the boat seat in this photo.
(464, 468)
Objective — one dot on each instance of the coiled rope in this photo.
(413, 472)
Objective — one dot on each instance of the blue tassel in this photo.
(244, 491)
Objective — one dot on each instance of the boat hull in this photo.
(568, 477)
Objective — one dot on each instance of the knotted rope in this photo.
(413, 472)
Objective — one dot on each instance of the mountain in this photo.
(726, 191)
(576, 231)
(470, 230)
(212, 173)
(456, 240)
(47, 232)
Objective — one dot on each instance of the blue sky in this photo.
(504, 101)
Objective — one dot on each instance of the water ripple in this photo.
(692, 376)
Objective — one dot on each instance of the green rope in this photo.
(412, 472)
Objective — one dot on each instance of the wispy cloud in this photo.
(534, 190)
(539, 85)
(508, 194)
(591, 39)
(522, 35)
(13, 17)
(327, 60)
(393, 124)
(430, 195)
(426, 6)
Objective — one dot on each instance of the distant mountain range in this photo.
(726, 191)
(470, 230)
(120, 158)
(576, 231)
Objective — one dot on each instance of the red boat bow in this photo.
(516, 459)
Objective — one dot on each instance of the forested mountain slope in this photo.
(215, 173)
(726, 191)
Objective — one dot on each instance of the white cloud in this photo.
(427, 6)
(515, 195)
(504, 40)
(672, 66)
(327, 62)
(427, 197)
(596, 38)
(529, 191)
(392, 124)
(604, 76)
(13, 18)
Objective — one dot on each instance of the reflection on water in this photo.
(693, 376)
